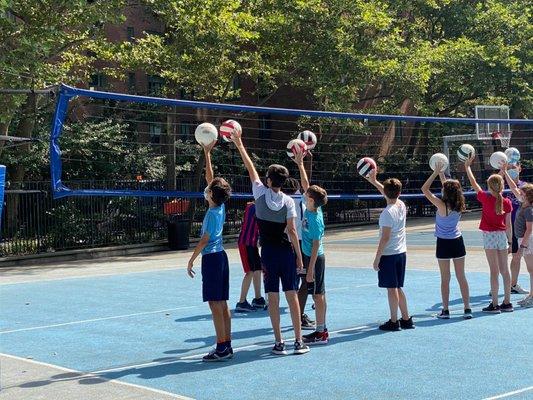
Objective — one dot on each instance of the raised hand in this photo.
(210, 146)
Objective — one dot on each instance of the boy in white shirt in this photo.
(390, 257)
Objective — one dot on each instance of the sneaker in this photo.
(390, 326)
(307, 323)
(468, 314)
(259, 304)
(525, 299)
(279, 349)
(444, 314)
(230, 349)
(527, 303)
(492, 309)
(244, 307)
(517, 289)
(215, 355)
(407, 323)
(506, 307)
(300, 348)
(316, 338)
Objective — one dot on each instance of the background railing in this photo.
(35, 223)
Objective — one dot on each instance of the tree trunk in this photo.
(170, 149)
(16, 173)
(388, 138)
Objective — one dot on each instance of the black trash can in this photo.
(178, 234)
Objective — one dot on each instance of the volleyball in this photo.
(205, 133)
(465, 152)
(309, 138)
(497, 158)
(296, 146)
(513, 155)
(365, 165)
(438, 158)
(228, 127)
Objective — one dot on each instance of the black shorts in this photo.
(391, 272)
(449, 249)
(279, 263)
(250, 259)
(215, 276)
(318, 286)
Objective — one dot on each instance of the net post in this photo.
(57, 128)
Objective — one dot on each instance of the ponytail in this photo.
(496, 186)
(499, 204)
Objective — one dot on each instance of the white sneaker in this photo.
(528, 303)
(519, 302)
(517, 289)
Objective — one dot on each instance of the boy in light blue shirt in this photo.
(215, 266)
(313, 252)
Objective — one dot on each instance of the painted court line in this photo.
(96, 319)
(80, 375)
(509, 394)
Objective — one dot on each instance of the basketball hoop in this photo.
(503, 136)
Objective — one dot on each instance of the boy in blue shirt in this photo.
(215, 267)
(313, 252)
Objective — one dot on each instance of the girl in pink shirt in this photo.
(497, 235)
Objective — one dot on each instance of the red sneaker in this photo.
(317, 338)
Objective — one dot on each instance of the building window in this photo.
(265, 126)
(155, 133)
(185, 129)
(98, 81)
(130, 33)
(155, 84)
(131, 82)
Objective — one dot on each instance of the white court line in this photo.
(265, 344)
(509, 394)
(96, 319)
(87, 375)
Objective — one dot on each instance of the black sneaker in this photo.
(444, 314)
(307, 323)
(259, 304)
(492, 309)
(390, 326)
(407, 323)
(506, 307)
(316, 338)
(279, 349)
(244, 307)
(215, 355)
(468, 314)
(300, 348)
(230, 349)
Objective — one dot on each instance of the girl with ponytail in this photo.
(450, 244)
(497, 235)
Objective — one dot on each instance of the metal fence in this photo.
(34, 223)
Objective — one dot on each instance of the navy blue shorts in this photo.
(215, 276)
(279, 262)
(392, 271)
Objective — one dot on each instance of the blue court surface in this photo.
(151, 329)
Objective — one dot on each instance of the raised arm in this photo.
(471, 177)
(510, 182)
(429, 195)
(236, 138)
(299, 160)
(371, 177)
(208, 164)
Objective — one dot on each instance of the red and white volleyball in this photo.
(309, 138)
(365, 165)
(296, 146)
(227, 128)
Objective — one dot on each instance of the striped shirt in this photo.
(249, 229)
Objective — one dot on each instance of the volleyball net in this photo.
(110, 144)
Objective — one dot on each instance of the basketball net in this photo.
(503, 136)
